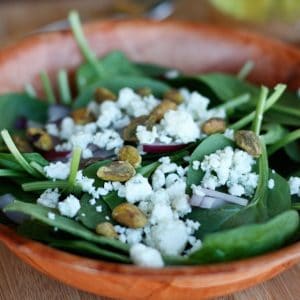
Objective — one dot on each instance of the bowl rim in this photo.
(22, 246)
(288, 255)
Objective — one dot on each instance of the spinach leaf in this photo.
(91, 172)
(248, 240)
(112, 200)
(70, 226)
(148, 169)
(256, 210)
(113, 64)
(212, 220)
(279, 198)
(118, 82)
(13, 106)
(151, 70)
(207, 146)
(86, 248)
(44, 233)
(7, 160)
(89, 216)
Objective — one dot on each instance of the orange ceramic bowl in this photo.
(193, 49)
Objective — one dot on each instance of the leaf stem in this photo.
(64, 87)
(75, 161)
(278, 91)
(30, 91)
(44, 185)
(296, 206)
(48, 88)
(261, 103)
(82, 42)
(16, 153)
(245, 70)
(240, 100)
(10, 173)
(288, 138)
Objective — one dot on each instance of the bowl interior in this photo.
(191, 48)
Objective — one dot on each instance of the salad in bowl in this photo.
(141, 164)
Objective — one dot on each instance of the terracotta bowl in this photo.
(192, 48)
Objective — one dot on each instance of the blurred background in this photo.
(276, 18)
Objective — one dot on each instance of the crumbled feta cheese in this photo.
(52, 129)
(196, 165)
(69, 207)
(181, 205)
(271, 184)
(294, 183)
(57, 170)
(158, 179)
(86, 184)
(108, 139)
(231, 168)
(146, 136)
(171, 178)
(67, 128)
(169, 237)
(161, 212)
(137, 189)
(99, 208)
(229, 133)
(144, 256)
(92, 201)
(49, 198)
(51, 216)
(181, 126)
(109, 114)
(171, 74)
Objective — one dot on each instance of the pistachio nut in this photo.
(106, 229)
(22, 144)
(103, 94)
(159, 111)
(213, 125)
(129, 132)
(144, 92)
(131, 155)
(116, 171)
(40, 139)
(129, 215)
(82, 116)
(248, 141)
(173, 95)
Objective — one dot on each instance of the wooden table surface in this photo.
(19, 281)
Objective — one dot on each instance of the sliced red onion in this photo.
(21, 123)
(213, 199)
(53, 155)
(161, 148)
(226, 197)
(211, 202)
(56, 112)
(16, 217)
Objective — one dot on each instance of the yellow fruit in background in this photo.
(259, 10)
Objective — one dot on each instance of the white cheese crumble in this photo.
(51, 216)
(99, 208)
(230, 168)
(294, 183)
(137, 189)
(69, 207)
(49, 198)
(57, 170)
(196, 165)
(145, 256)
(271, 184)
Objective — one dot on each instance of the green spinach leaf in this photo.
(13, 106)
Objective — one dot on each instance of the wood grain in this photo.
(19, 281)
